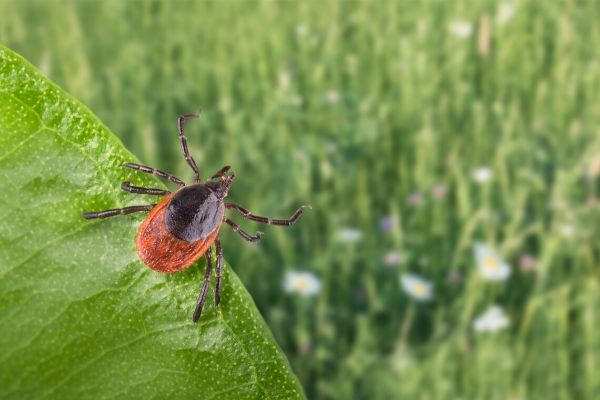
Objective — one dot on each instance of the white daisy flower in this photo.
(482, 174)
(460, 29)
(505, 13)
(417, 287)
(491, 266)
(349, 235)
(492, 320)
(302, 282)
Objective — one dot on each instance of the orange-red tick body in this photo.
(181, 227)
(159, 249)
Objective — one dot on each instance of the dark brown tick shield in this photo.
(184, 225)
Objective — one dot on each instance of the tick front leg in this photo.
(221, 172)
(205, 284)
(154, 171)
(243, 234)
(266, 220)
(126, 186)
(117, 211)
(184, 147)
(218, 271)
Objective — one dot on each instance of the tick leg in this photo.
(218, 271)
(243, 234)
(117, 211)
(265, 220)
(154, 171)
(221, 172)
(204, 289)
(184, 147)
(126, 186)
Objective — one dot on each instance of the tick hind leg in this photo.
(205, 284)
(126, 186)
(242, 233)
(266, 220)
(117, 211)
(218, 271)
(154, 171)
(184, 147)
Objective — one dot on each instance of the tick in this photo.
(185, 224)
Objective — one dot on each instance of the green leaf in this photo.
(81, 316)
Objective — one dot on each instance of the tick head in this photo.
(222, 186)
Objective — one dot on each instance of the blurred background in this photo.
(450, 151)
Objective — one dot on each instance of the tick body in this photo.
(185, 224)
(180, 228)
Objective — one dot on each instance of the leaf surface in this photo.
(81, 317)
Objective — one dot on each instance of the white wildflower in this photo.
(491, 266)
(301, 282)
(482, 174)
(492, 320)
(417, 287)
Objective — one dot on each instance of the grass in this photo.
(352, 107)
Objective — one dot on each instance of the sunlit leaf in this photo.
(81, 317)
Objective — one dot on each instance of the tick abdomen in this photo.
(194, 213)
(162, 251)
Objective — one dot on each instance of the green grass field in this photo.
(369, 111)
